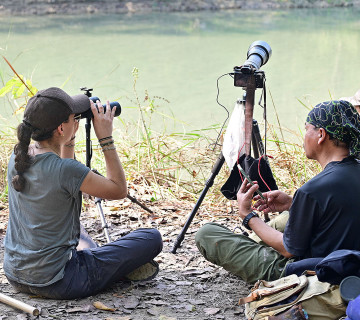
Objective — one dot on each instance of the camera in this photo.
(248, 74)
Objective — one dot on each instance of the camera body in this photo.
(248, 80)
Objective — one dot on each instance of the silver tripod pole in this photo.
(104, 224)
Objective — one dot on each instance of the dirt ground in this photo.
(51, 7)
(187, 286)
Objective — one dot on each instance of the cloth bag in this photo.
(319, 300)
(338, 265)
(252, 167)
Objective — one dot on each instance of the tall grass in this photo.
(161, 165)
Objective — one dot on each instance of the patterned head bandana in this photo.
(340, 120)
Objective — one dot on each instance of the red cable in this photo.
(260, 173)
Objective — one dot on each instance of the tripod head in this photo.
(87, 91)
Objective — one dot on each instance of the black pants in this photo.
(91, 270)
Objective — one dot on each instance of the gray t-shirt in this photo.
(44, 223)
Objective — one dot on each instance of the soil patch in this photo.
(187, 286)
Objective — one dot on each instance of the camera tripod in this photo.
(104, 225)
(258, 149)
(252, 136)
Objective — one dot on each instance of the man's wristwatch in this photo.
(247, 219)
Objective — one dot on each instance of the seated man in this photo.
(323, 214)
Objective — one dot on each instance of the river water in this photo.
(180, 56)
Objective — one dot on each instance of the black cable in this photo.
(227, 111)
(263, 92)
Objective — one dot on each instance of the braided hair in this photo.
(25, 132)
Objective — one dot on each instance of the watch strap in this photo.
(247, 219)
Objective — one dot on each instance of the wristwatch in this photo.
(247, 219)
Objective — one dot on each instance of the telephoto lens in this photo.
(258, 54)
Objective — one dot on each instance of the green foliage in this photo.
(19, 89)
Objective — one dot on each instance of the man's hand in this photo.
(275, 201)
(244, 197)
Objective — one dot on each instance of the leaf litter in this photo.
(187, 286)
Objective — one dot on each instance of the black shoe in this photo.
(147, 271)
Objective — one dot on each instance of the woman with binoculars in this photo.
(47, 251)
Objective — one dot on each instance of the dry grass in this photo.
(178, 166)
(167, 165)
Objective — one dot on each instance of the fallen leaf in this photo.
(238, 310)
(196, 272)
(190, 307)
(153, 292)
(101, 306)
(194, 301)
(183, 283)
(182, 298)
(206, 276)
(153, 311)
(211, 311)
(126, 204)
(171, 278)
(85, 308)
(157, 302)
(162, 317)
(131, 303)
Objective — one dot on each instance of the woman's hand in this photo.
(103, 119)
(113, 186)
(275, 201)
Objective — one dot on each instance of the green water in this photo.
(180, 56)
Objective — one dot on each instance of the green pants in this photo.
(241, 255)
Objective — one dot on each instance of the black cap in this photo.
(49, 108)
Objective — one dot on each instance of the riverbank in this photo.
(46, 7)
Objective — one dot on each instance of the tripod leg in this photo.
(259, 150)
(254, 145)
(104, 224)
(214, 172)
